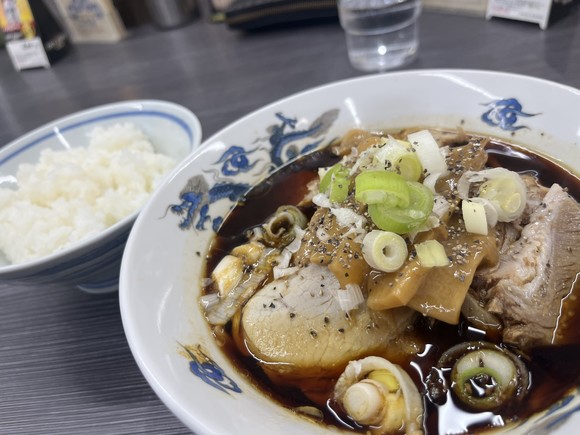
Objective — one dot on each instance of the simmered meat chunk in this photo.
(295, 325)
(536, 270)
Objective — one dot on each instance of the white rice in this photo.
(73, 194)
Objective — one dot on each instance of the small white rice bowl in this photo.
(69, 195)
(70, 190)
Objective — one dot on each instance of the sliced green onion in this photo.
(403, 220)
(335, 181)
(326, 179)
(398, 156)
(384, 251)
(339, 189)
(409, 166)
(474, 217)
(431, 253)
(484, 379)
(490, 211)
(421, 198)
(428, 152)
(382, 187)
(506, 191)
(406, 144)
(399, 221)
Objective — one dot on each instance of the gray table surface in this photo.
(65, 366)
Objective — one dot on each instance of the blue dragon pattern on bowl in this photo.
(284, 142)
(504, 114)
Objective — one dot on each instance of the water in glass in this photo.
(380, 34)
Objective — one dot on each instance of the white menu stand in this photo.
(27, 53)
(533, 11)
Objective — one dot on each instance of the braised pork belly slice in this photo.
(296, 327)
(534, 273)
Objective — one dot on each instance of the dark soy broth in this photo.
(286, 186)
(554, 369)
(518, 159)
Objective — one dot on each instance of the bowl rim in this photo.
(370, 77)
(182, 412)
(14, 147)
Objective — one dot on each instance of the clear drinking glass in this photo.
(380, 34)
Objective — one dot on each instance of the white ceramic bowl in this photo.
(164, 257)
(93, 264)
